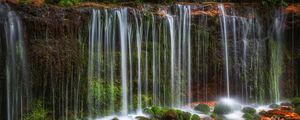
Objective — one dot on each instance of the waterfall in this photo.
(17, 79)
(171, 56)
(224, 37)
(136, 34)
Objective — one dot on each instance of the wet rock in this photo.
(115, 118)
(274, 106)
(156, 112)
(183, 115)
(287, 104)
(202, 108)
(195, 117)
(141, 118)
(222, 108)
(249, 110)
(170, 115)
(248, 116)
(217, 117)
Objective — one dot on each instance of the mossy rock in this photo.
(297, 109)
(195, 117)
(115, 118)
(296, 101)
(183, 115)
(218, 117)
(287, 104)
(170, 115)
(274, 106)
(248, 116)
(203, 108)
(155, 111)
(222, 109)
(249, 110)
(262, 112)
(141, 118)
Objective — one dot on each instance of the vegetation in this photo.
(275, 3)
(221, 109)
(161, 113)
(297, 109)
(203, 108)
(296, 101)
(38, 112)
(68, 2)
(249, 110)
(102, 94)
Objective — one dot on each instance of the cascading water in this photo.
(225, 42)
(17, 79)
(135, 58)
(247, 49)
(135, 35)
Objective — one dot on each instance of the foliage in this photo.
(169, 1)
(169, 114)
(102, 94)
(297, 109)
(222, 109)
(155, 111)
(68, 2)
(296, 101)
(275, 3)
(203, 108)
(195, 117)
(248, 116)
(38, 112)
(249, 110)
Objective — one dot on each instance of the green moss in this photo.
(203, 108)
(249, 110)
(170, 115)
(222, 109)
(217, 117)
(195, 117)
(38, 112)
(101, 95)
(275, 3)
(248, 116)
(297, 109)
(296, 101)
(68, 2)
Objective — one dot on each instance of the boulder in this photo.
(222, 109)
(249, 110)
(195, 117)
(170, 115)
(202, 108)
(274, 106)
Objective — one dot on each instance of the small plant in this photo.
(275, 3)
(68, 2)
(38, 112)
